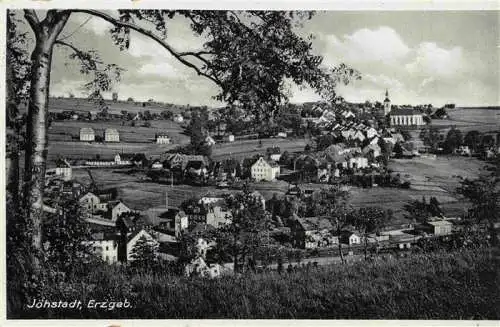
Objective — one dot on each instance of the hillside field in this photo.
(443, 285)
(468, 119)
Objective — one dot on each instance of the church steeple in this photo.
(387, 103)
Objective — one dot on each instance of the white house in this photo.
(178, 118)
(440, 227)
(89, 201)
(134, 237)
(358, 162)
(281, 134)
(162, 139)
(218, 216)
(230, 138)
(105, 247)
(157, 165)
(111, 135)
(353, 239)
(63, 171)
(209, 140)
(261, 170)
(87, 134)
(117, 208)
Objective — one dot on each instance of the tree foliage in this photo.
(484, 195)
(247, 234)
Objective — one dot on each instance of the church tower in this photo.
(387, 103)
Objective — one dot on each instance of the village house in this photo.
(128, 242)
(104, 246)
(198, 267)
(439, 227)
(209, 140)
(230, 138)
(274, 153)
(312, 232)
(262, 170)
(178, 118)
(162, 139)
(218, 216)
(350, 238)
(87, 134)
(157, 164)
(62, 171)
(111, 135)
(115, 209)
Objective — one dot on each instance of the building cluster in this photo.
(319, 233)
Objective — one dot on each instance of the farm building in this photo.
(87, 134)
(162, 139)
(111, 135)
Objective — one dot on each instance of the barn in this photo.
(87, 134)
(111, 135)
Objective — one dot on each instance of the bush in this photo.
(444, 285)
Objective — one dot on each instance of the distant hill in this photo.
(84, 105)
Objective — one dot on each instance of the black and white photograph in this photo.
(229, 163)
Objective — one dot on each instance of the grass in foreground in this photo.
(458, 285)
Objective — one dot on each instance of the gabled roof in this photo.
(404, 112)
(314, 223)
(86, 130)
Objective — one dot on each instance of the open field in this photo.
(83, 106)
(467, 119)
(70, 130)
(428, 177)
(247, 148)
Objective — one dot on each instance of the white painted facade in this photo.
(162, 139)
(111, 135)
(87, 134)
(407, 120)
(263, 171)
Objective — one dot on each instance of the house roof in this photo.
(111, 131)
(86, 130)
(314, 223)
(439, 223)
(273, 150)
(201, 227)
(404, 112)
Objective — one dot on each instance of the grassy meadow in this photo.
(467, 119)
(443, 285)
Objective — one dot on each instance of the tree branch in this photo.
(151, 35)
(80, 54)
(32, 19)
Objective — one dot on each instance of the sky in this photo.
(420, 57)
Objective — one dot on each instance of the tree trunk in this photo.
(46, 33)
(342, 259)
(12, 155)
(37, 136)
(366, 247)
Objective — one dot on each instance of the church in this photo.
(402, 116)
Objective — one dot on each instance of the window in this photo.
(107, 248)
